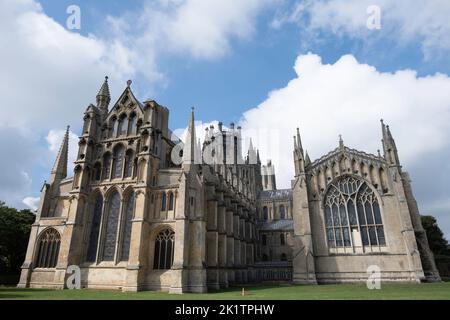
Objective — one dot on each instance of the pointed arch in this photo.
(48, 249)
(164, 249)
(353, 214)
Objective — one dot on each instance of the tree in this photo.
(438, 244)
(15, 229)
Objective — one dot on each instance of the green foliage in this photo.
(438, 244)
(15, 229)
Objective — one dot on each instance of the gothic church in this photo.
(144, 211)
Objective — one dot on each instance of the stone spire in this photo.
(299, 141)
(252, 157)
(103, 96)
(190, 144)
(389, 147)
(59, 170)
(299, 160)
(341, 142)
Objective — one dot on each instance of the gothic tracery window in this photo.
(352, 215)
(112, 220)
(129, 211)
(164, 249)
(48, 249)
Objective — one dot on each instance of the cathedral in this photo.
(147, 211)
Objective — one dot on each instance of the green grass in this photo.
(283, 292)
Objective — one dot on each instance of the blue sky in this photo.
(240, 61)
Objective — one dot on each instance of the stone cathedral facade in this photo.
(144, 211)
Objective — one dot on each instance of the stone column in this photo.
(221, 226)
(212, 243)
(136, 262)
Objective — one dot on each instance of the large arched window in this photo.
(282, 212)
(164, 249)
(352, 215)
(48, 249)
(112, 220)
(95, 228)
(119, 153)
(129, 211)
(106, 165)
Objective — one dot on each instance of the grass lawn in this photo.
(284, 292)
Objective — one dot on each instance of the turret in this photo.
(59, 171)
(389, 147)
(104, 97)
(190, 153)
(299, 160)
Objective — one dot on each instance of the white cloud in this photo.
(350, 98)
(405, 21)
(202, 29)
(32, 202)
